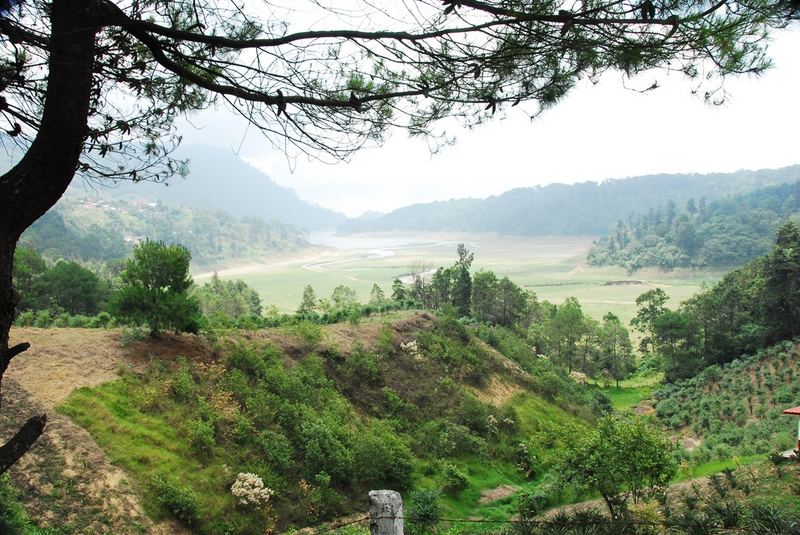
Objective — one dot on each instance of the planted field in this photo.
(736, 409)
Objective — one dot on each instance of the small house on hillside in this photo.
(795, 412)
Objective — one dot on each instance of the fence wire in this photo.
(625, 524)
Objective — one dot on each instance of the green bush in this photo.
(182, 386)
(42, 319)
(79, 322)
(382, 458)
(26, 319)
(180, 501)
(386, 339)
(201, 436)
(441, 439)
(132, 334)
(276, 449)
(453, 478)
(424, 508)
(531, 503)
(363, 367)
(309, 332)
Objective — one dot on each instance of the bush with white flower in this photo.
(249, 490)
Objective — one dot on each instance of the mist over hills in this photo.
(561, 209)
(219, 180)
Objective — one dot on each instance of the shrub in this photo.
(182, 384)
(79, 322)
(42, 319)
(180, 501)
(26, 319)
(363, 367)
(201, 436)
(382, 458)
(249, 490)
(276, 450)
(531, 503)
(442, 439)
(424, 508)
(729, 513)
(311, 333)
(132, 334)
(453, 478)
(386, 339)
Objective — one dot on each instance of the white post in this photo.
(385, 512)
(798, 433)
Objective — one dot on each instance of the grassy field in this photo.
(553, 267)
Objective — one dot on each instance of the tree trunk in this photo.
(34, 185)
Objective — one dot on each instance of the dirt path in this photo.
(66, 479)
(675, 491)
(497, 493)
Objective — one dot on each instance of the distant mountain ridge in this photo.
(560, 209)
(219, 180)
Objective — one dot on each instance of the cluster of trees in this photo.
(751, 308)
(226, 300)
(563, 332)
(723, 233)
(151, 288)
(61, 287)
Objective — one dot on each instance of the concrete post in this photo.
(385, 512)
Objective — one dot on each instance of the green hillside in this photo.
(323, 414)
(89, 229)
(586, 208)
(736, 409)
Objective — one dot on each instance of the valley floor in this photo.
(551, 266)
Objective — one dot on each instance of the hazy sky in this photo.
(597, 132)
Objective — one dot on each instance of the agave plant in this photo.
(728, 513)
(769, 520)
(693, 523)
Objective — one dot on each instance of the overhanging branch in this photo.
(21, 442)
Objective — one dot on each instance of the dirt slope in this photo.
(66, 479)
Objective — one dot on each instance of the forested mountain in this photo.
(726, 232)
(96, 229)
(219, 180)
(560, 209)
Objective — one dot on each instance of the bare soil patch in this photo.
(66, 479)
(497, 493)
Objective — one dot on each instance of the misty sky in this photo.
(597, 132)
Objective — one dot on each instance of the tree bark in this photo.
(36, 183)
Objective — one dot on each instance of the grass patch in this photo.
(626, 398)
(715, 467)
(533, 412)
(146, 445)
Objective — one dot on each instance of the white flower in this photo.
(249, 489)
(412, 349)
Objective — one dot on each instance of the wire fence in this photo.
(581, 526)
